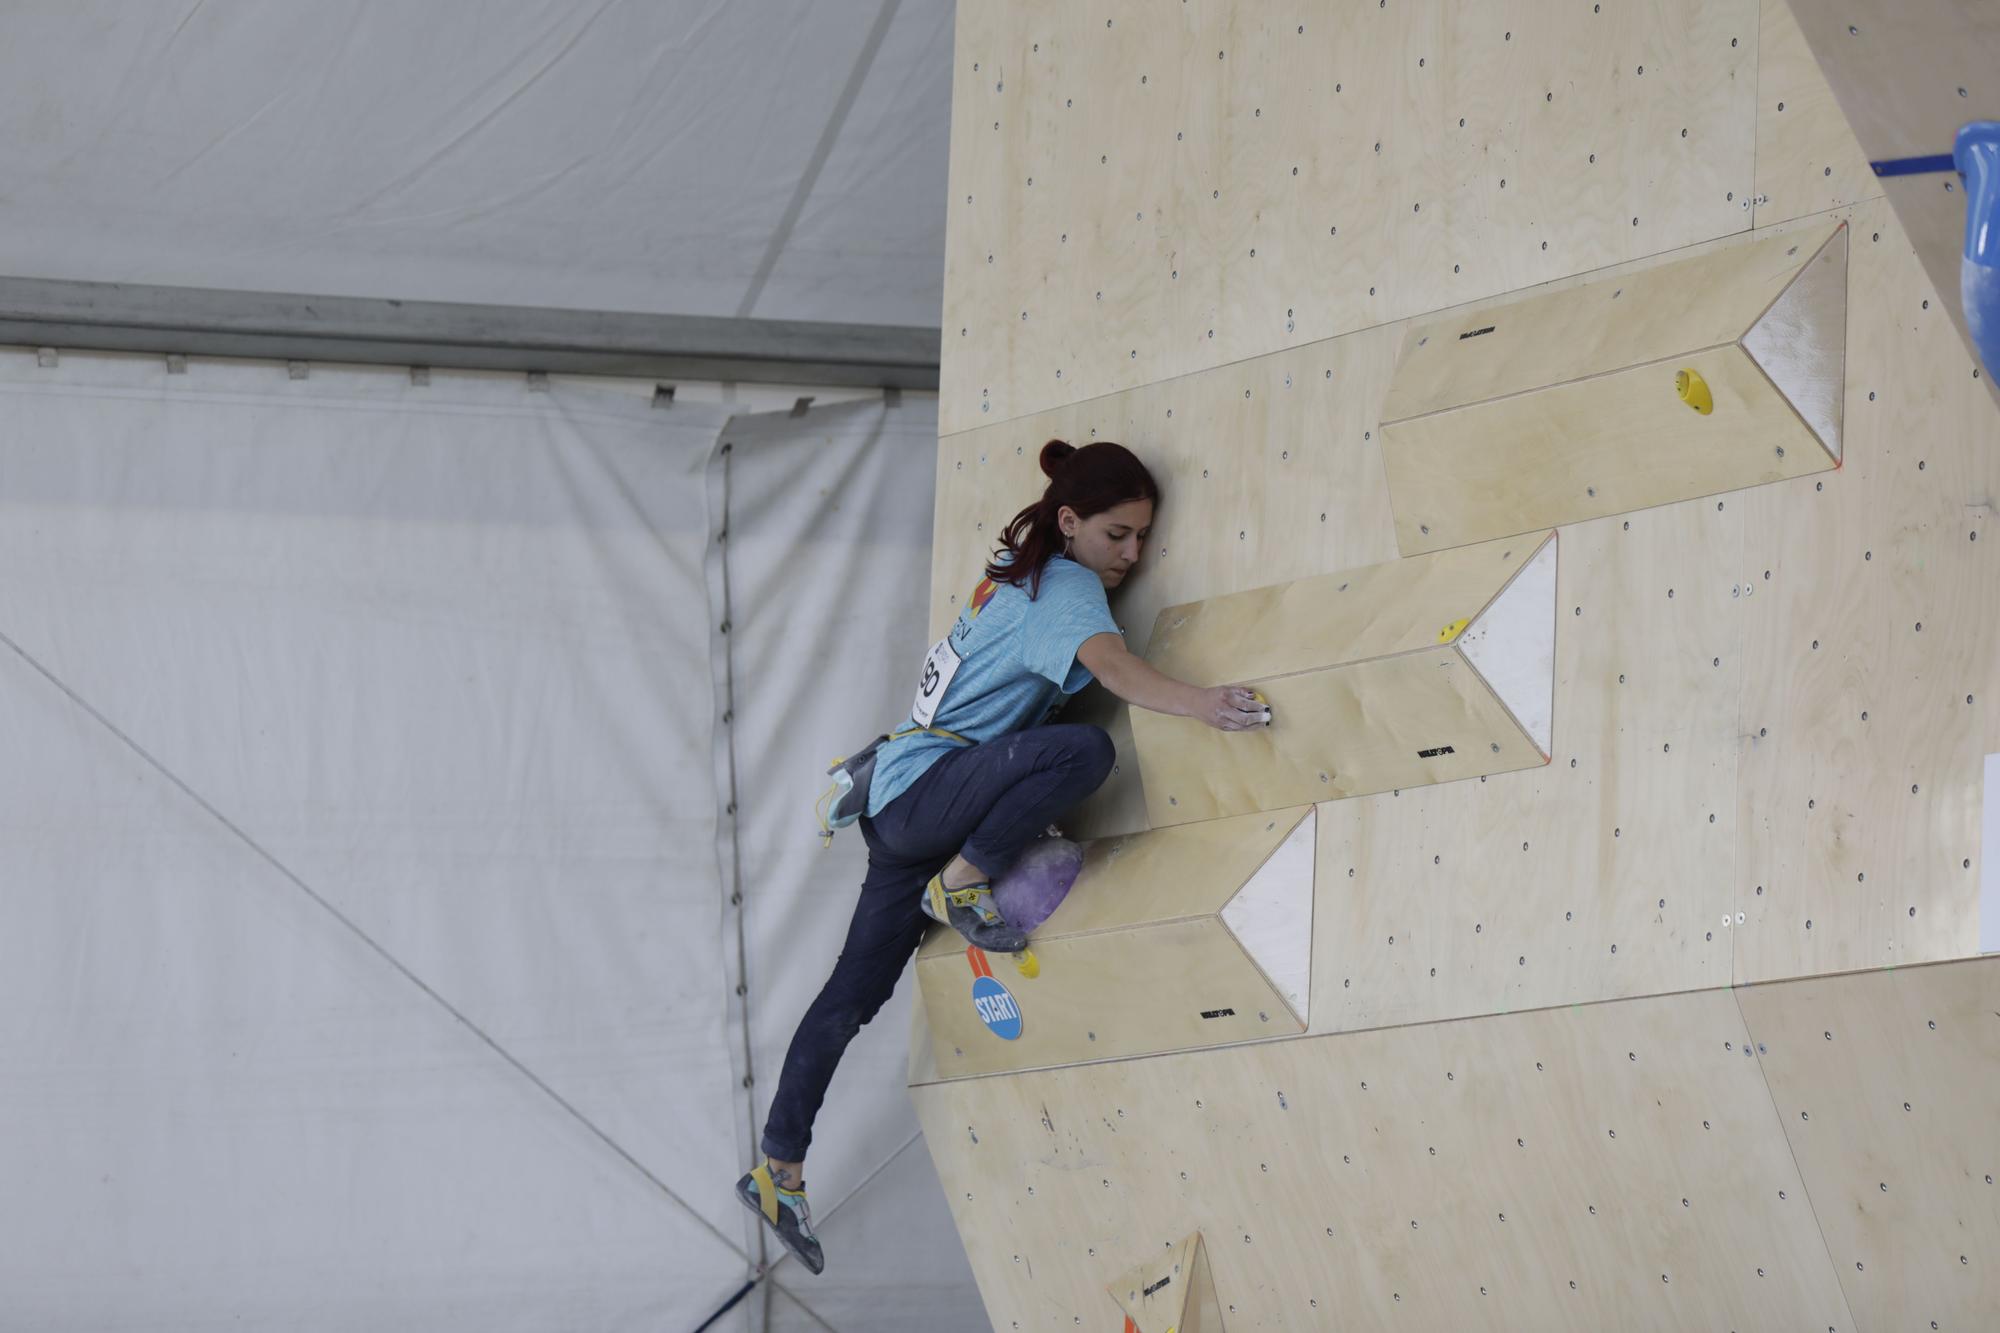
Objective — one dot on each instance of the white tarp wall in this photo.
(829, 557)
(366, 951)
(783, 159)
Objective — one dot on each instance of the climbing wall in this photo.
(1214, 233)
(1707, 1161)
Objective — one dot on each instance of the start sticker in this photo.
(993, 1002)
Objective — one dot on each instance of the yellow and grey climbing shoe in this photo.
(784, 1211)
(970, 912)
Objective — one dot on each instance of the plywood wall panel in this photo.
(1544, 338)
(1563, 405)
(1611, 1166)
(1605, 445)
(1101, 996)
(1140, 193)
(1863, 735)
(1346, 731)
(1143, 953)
(1888, 1088)
(1165, 874)
(1807, 159)
(1368, 682)
(1605, 873)
(1351, 615)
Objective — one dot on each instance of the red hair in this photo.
(1089, 480)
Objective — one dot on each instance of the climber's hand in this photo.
(1233, 708)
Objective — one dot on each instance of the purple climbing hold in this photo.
(1037, 882)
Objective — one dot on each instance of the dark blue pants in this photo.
(988, 801)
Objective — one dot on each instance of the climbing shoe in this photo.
(971, 913)
(784, 1211)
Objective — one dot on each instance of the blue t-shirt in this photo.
(1017, 664)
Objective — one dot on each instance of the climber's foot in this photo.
(971, 913)
(784, 1211)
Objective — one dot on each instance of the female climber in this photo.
(978, 772)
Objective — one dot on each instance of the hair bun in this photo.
(1053, 454)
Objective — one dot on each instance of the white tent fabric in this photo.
(367, 958)
(781, 159)
(829, 553)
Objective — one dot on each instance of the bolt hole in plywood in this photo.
(1704, 375)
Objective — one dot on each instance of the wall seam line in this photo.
(1778, 1118)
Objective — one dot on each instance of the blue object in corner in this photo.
(1976, 154)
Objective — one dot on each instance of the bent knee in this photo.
(1094, 752)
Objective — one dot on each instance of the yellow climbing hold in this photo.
(1693, 390)
(1452, 631)
(1027, 963)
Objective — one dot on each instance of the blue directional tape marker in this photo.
(1914, 166)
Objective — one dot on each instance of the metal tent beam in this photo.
(126, 317)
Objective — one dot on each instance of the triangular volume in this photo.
(1801, 342)
(1512, 645)
(1271, 916)
(1173, 1294)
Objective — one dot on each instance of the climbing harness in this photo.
(847, 799)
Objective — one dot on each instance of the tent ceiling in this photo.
(779, 160)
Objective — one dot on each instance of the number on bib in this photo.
(939, 667)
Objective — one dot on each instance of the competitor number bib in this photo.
(939, 667)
